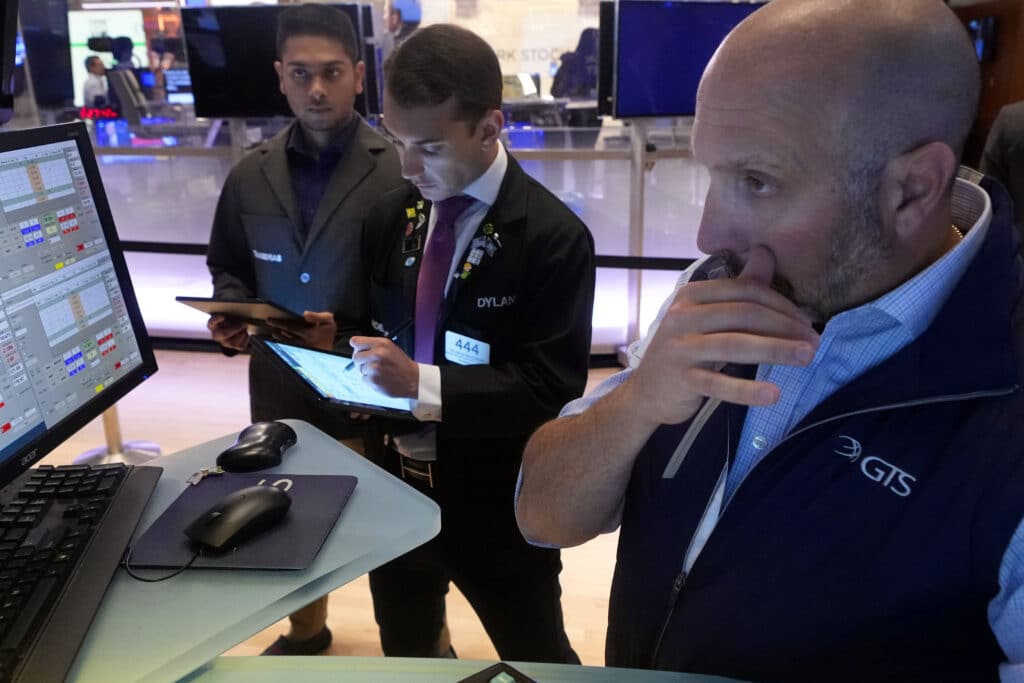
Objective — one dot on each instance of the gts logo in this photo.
(874, 468)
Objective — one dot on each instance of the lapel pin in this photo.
(410, 261)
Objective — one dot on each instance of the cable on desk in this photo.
(128, 568)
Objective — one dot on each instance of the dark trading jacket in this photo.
(256, 250)
(531, 300)
(867, 545)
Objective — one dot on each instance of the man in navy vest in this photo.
(817, 465)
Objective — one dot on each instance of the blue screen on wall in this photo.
(662, 49)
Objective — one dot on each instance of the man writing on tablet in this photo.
(497, 277)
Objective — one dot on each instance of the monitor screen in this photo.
(605, 55)
(662, 49)
(179, 86)
(8, 45)
(231, 53)
(72, 340)
(44, 26)
(102, 27)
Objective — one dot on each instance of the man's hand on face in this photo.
(316, 332)
(386, 366)
(710, 324)
(231, 333)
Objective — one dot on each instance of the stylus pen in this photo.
(400, 329)
(393, 337)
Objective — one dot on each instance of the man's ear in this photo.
(490, 127)
(279, 68)
(360, 76)
(914, 186)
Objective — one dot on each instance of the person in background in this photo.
(94, 91)
(288, 229)
(401, 19)
(1003, 158)
(816, 457)
(497, 277)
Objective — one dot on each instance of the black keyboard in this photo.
(63, 531)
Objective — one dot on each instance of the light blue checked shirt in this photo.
(854, 342)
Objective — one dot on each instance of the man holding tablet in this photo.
(287, 228)
(497, 277)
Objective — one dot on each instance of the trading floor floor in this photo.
(196, 397)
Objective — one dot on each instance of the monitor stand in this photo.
(116, 450)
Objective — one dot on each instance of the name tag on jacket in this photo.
(266, 256)
(463, 350)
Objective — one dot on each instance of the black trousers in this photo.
(512, 586)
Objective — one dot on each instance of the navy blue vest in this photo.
(866, 546)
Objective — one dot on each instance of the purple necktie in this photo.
(437, 262)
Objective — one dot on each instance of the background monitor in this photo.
(366, 19)
(8, 41)
(605, 56)
(44, 25)
(231, 54)
(72, 340)
(101, 33)
(373, 95)
(178, 84)
(983, 35)
(661, 50)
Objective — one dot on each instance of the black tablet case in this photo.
(260, 344)
(317, 502)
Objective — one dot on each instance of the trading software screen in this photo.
(65, 331)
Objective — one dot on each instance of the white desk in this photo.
(163, 631)
(403, 670)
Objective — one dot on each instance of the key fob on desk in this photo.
(499, 673)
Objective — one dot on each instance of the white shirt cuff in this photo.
(427, 406)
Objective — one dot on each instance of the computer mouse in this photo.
(258, 447)
(239, 516)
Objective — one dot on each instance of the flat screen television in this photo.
(178, 84)
(661, 50)
(44, 26)
(605, 56)
(231, 53)
(72, 340)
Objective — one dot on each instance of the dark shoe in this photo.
(310, 646)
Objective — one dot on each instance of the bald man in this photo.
(817, 466)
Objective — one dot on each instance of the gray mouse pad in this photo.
(317, 502)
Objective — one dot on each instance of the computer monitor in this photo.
(48, 46)
(72, 340)
(661, 50)
(373, 95)
(178, 84)
(366, 21)
(8, 41)
(231, 54)
(605, 56)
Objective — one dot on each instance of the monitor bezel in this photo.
(615, 66)
(13, 466)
